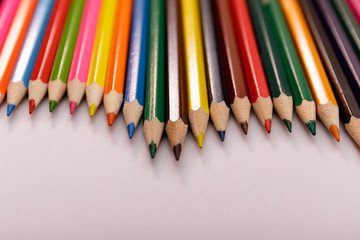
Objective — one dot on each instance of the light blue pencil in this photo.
(136, 71)
(20, 79)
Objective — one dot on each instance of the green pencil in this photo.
(61, 68)
(303, 100)
(349, 23)
(273, 63)
(155, 78)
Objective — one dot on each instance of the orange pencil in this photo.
(326, 105)
(14, 42)
(116, 71)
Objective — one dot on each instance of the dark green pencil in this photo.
(155, 77)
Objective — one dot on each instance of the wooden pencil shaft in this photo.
(155, 80)
(230, 53)
(136, 69)
(212, 58)
(177, 103)
(249, 53)
(268, 46)
(62, 63)
(341, 44)
(341, 87)
(297, 81)
(194, 56)
(349, 23)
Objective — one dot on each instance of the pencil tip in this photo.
(52, 105)
(288, 124)
(73, 106)
(31, 106)
(152, 148)
(111, 118)
(10, 109)
(177, 151)
(131, 129)
(221, 135)
(335, 132)
(200, 139)
(244, 126)
(312, 127)
(92, 110)
(268, 125)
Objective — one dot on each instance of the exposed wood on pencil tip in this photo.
(241, 108)
(353, 128)
(153, 131)
(198, 121)
(284, 107)
(132, 112)
(329, 115)
(219, 113)
(263, 108)
(176, 132)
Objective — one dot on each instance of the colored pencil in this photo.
(259, 91)
(195, 69)
(219, 106)
(7, 13)
(302, 97)
(351, 26)
(347, 57)
(136, 69)
(236, 85)
(273, 66)
(13, 43)
(61, 68)
(355, 7)
(115, 76)
(100, 56)
(349, 109)
(154, 112)
(38, 84)
(177, 122)
(20, 79)
(326, 104)
(82, 55)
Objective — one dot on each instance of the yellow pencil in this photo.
(195, 69)
(100, 56)
(326, 105)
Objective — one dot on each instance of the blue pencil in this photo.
(20, 79)
(136, 71)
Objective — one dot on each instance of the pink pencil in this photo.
(82, 55)
(355, 7)
(7, 12)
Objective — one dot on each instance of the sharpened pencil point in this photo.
(31, 106)
(152, 148)
(335, 132)
(92, 110)
(221, 135)
(268, 125)
(131, 129)
(111, 118)
(288, 124)
(244, 126)
(177, 151)
(10, 109)
(52, 105)
(73, 106)
(312, 127)
(200, 139)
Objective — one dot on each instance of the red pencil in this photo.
(45, 59)
(258, 88)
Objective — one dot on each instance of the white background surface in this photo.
(71, 177)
